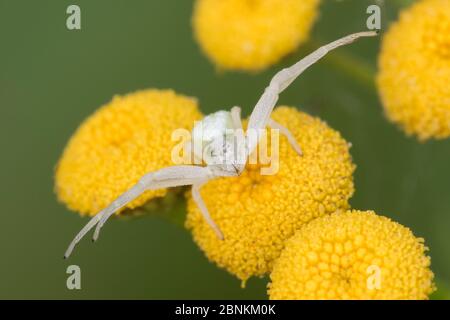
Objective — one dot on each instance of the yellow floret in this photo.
(125, 139)
(257, 213)
(352, 255)
(414, 70)
(251, 34)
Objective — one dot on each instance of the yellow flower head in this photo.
(414, 70)
(257, 213)
(125, 139)
(251, 34)
(352, 255)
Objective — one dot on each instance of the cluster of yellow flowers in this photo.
(352, 255)
(295, 225)
(327, 255)
(251, 35)
(414, 70)
(125, 139)
(257, 213)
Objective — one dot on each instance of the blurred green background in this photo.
(52, 78)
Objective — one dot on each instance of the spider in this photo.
(224, 160)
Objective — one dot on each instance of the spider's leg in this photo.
(286, 76)
(261, 113)
(164, 178)
(174, 176)
(241, 150)
(236, 117)
(203, 209)
(285, 131)
(82, 233)
(121, 201)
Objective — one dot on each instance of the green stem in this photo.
(353, 67)
(348, 64)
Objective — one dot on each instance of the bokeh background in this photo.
(52, 78)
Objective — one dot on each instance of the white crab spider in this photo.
(214, 127)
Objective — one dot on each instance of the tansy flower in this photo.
(251, 34)
(414, 70)
(257, 213)
(352, 255)
(125, 139)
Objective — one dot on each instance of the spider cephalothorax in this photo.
(217, 135)
(218, 140)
